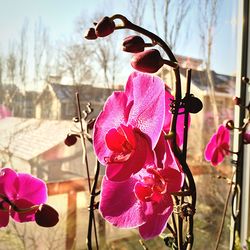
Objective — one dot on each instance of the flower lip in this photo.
(152, 187)
(121, 142)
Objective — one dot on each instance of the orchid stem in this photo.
(91, 210)
(85, 157)
(224, 212)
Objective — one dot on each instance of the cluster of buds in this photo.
(149, 61)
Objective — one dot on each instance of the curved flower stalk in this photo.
(23, 197)
(147, 181)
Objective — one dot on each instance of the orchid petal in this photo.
(116, 104)
(148, 110)
(118, 204)
(174, 179)
(8, 183)
(156, 223)
(31, 189)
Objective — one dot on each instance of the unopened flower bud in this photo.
(70, 140)
(133, 44)
(229, 124)
(236, 100)
(105, 27)
(149, 61)
(90, 34)
(246, 135)
(46, 216)
(193, 104)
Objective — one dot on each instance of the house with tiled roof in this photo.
(57, 101)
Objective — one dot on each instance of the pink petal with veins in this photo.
(147, 113)
(156, 223)
(118, 204)
(31, 189)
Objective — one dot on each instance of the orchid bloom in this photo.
(20, 196)
(218, 146)
(144, 200)
(128, 128)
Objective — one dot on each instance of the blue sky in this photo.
(59, 17)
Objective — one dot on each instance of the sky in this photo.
(60, 16)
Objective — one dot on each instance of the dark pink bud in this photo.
(90, 34)
(105, 27)
(229, 124)
(246, 137)
(149, 61)
(236, 100)
(193, 104)
(46, 216)
(70, 140)
(133, 44)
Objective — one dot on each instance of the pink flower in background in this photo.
(129, 126)
(4, 112)
(218, 146)
(23, 191)
(144, 200)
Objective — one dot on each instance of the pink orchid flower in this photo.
(144, 200)
(23, 192)
(129, 126)
(218, 146)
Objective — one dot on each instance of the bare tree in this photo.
(11, 64)
(22, 63)
(137, 10)
(41, 46)
(1, 78)
(23, 54)
(76, 61)
(208, 10)
(1, 70)
(172, 16)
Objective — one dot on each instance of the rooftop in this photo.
(28, 138)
